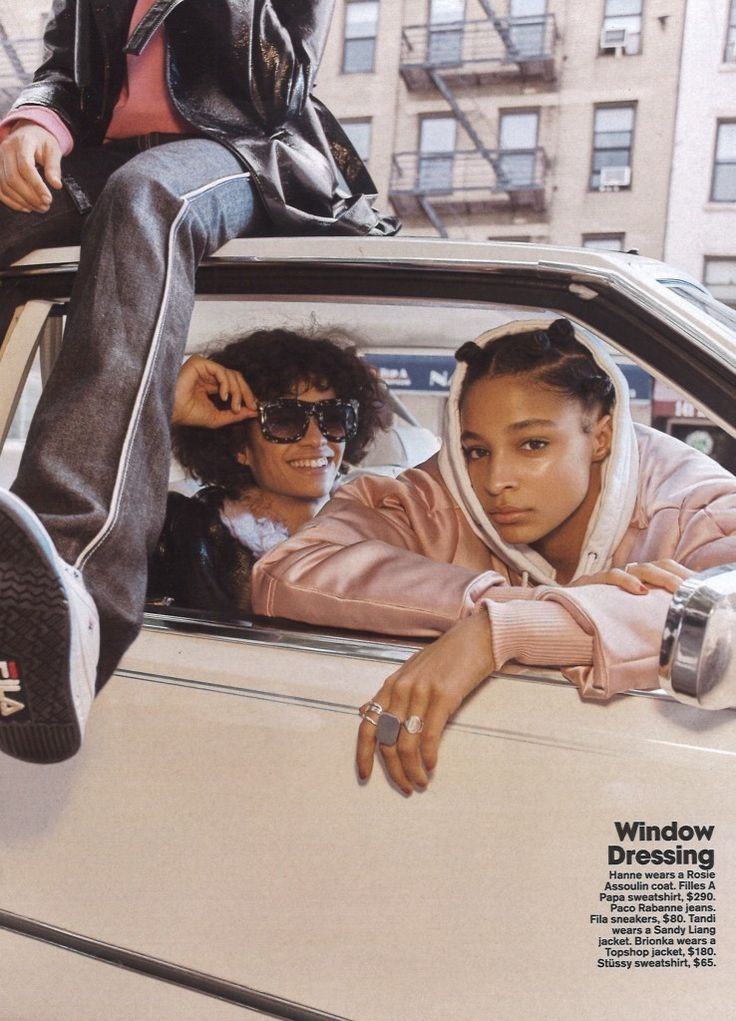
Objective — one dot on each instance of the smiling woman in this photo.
(267, 423)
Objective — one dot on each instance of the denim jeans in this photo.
(96, 462)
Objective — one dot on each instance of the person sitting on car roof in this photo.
(292, 414)
(550, 531)
(158, 131)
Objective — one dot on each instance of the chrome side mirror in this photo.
(697, 662)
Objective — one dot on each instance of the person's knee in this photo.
(132, 190)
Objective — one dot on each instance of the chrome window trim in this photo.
(163, 971)
(324, 642)
(248, 632)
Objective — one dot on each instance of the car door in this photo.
(213, 821)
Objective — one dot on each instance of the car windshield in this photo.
(702, 300)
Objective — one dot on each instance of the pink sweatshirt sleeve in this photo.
(537, 634)
(44, 117)
(626, 634)
(368, 567)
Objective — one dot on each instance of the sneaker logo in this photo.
(9, 684)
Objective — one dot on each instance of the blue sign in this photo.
(415, 373)
(433, 373)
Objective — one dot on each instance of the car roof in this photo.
(403, 248)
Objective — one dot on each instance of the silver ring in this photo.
(371, 707)
(632, 564)
(413, 724)
(389, 727)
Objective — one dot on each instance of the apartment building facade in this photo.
(21, 27)
(542, 120)
(701, 222)
(610, 123)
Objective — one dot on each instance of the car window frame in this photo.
(598, 298)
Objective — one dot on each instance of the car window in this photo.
(18, 431)
(410, 344)
(32, 341)
(412, 348)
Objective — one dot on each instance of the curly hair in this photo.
(553, 357)
(273, 363)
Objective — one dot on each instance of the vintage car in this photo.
(210, 853)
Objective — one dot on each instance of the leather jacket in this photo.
(197, 563)
(238, 71)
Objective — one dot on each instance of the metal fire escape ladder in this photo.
(502, 28)
(460, 115)
(447, 94)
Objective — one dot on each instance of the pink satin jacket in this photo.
(398, 556)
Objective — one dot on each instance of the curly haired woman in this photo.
(267, 423)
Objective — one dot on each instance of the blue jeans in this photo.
(96, 462)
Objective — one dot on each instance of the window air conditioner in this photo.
(615, 177)
(614, 39)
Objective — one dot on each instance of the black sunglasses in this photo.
(286, 420)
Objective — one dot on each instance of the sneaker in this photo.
(49, 642)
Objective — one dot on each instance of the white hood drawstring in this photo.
(615, 506)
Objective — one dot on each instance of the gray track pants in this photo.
(96, 462)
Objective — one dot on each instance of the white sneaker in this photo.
(49, 641)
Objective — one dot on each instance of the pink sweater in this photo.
(398, 556)
(144, 104)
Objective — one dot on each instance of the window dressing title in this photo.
(671, 833)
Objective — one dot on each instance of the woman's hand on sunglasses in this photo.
(209, 395)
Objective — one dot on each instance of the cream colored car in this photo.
(210, 853)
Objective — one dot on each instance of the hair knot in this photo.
(468, 352)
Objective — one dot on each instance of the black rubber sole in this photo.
(38, 722)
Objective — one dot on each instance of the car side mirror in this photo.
(697, 663)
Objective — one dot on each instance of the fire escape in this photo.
(18, 60)
(450, 57)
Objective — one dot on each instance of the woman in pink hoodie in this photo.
(547, 513)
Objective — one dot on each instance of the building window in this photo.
(720, 278)
(613, 134)
(359, 133)
(621, 30)
(604, 242)
(730, 53)
(437, 139)
(446, 24)
(724, 167)
(361, 28)
(517, 144)
(528, 20)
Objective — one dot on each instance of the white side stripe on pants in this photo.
(143, 387)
